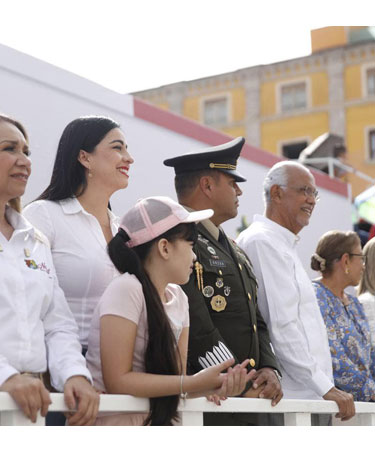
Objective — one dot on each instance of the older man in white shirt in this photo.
(286, 298)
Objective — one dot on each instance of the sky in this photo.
(129, 46)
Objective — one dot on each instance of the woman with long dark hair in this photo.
(139, 334)
(92, 162)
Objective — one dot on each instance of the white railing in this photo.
(334, 162)
(296, 412)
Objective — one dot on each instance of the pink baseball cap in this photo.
(152, 216)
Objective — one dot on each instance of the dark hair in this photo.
(161, 356)
(68, 175)
(15, 203)
(338, 150)
(331, 246)
(185, 182)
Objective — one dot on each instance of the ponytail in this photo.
(161, 356)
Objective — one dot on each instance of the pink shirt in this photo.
(124, 298)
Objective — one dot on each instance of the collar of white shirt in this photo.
(73, 206)
(18, 222)
(290, 238)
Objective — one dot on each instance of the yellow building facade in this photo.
(283, 107)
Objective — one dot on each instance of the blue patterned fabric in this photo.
(353, 358)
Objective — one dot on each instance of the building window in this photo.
(293, 96)
(371, 145)
(370, 76)
(215, 111)
(293, 150)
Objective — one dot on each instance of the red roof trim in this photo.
(194, 130)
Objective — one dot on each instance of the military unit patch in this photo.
(219, 282)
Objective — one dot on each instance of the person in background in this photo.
(340, 260)
(286, 298)
(92, 162)
(139, 334)
(38, 331)
(224, 318)
(366, 288)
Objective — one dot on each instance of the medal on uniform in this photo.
(208, 291)
(226, 290)
(218, 303)
(211, 250)
(202, 239)
(26, 252)
(219, 282)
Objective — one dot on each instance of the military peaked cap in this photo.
(222, 157)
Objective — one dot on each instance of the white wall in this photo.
(45, 99)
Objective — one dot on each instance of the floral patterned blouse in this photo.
(353, 358)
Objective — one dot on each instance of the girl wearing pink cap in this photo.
(139, 333)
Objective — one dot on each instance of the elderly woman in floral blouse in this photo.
(341, 262)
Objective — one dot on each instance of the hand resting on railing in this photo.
(31, 396)
(29, 393)
(265, 385)
(344, 401)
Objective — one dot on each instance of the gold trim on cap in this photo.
(222, 166)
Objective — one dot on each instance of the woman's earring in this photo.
(346, 271)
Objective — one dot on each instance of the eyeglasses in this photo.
(306, 190)
(364, 257)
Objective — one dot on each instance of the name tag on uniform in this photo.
(217, 263)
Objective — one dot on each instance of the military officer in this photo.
(224, 318)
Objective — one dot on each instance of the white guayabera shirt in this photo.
(36, 323)
(289, 306)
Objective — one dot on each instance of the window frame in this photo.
(215, 97)
(364, 69)
(280, 85)
(282, 143)
(368, 130)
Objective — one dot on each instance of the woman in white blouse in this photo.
(37, 328)
(92, 162)
(366, 288)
